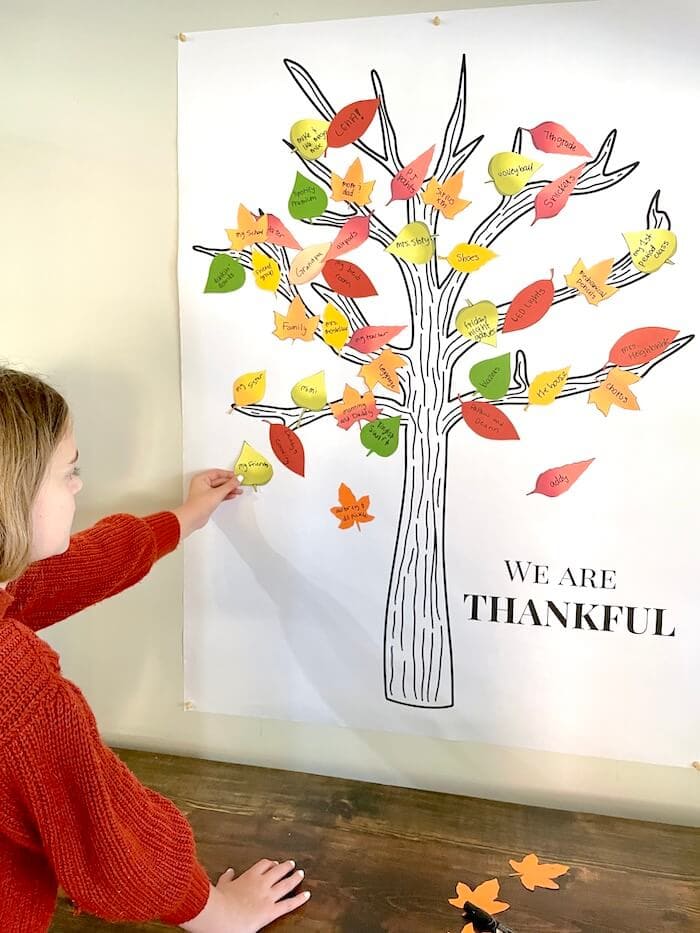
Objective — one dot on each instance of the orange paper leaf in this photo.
(354, 407)
(484, 896)
(351, 511)
(590, 282)
(536, 874)
(615, 390)
(352, 188)
(383, 370)
(251, 229)
(445, 197)
(295, 325)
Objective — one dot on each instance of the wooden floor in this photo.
(386, 859)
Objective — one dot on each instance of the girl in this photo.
(70, 812)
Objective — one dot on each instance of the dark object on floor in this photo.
(483, 922)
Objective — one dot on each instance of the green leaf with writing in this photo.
(307, 200)
(491, 377)
(226, 274)
(381, 436)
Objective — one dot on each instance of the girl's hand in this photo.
(207, 491)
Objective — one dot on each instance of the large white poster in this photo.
(444, 272)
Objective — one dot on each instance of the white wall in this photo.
(87, 251)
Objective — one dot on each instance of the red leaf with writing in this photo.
(352, 234)
(408, 180)
(488, 421)
(530, 305)
(347, 279)
(287, 447)
(558, 480)
(351, 122)
(553, 137)
(369, 339)
(278, 233)
(641, 345)
(552, 198)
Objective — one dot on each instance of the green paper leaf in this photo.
(381, 436)
(491, 377)
(307, 200)
(226, 274)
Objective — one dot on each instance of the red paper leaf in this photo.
(352, 234)
(641, 345)
(408, 180)
(530, 305)
(278, 233)
(552, 198)
(347, 279)
(488, 421)
(553, 137)
(369, 339)
(287, 447)
(351, 122)
(558, 480)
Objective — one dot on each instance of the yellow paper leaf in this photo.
(310, 393)
(310, 137)
(479, 322)
(510, 171)
(266, 271)
(545, 387)
(650, 249)
(250, 229)
(336, 327)
(414, 243)
(591, 282)
(383, 370)
(352, 188)
(249, 388)
(307, 264)
(295, 325)
(536, 874)
(484, 896)
(615, 390)
(253, 467)
(445, 197)
(468, 257)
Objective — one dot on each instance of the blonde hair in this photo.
(34, 419)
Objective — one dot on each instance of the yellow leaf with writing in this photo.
(536, 874)
(249, 388)
(336, 327)
(414, 243)
(445, 197)
(468, 257)
(295, 325)
(253, 467)
(266, 271)
(383, 370)
(352, 188)
(650, 249)
(250, 229)
(310, 137)
(307, 264)
(510, 171)
(545, 387)
(591, 282)
(310, 393)
(615, 390)
(478, 322)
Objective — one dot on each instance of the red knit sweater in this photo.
(71, 813)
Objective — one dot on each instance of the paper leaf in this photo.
(491, 377)
(278, 234)
(414, 243)
(484, 896)
(510, 171)
(351, 511)
(307, 264)
(354, 407)
(249, 388)
(352, 188)
(352, 234)
(336, 327)
(381, 436)
(488, 421)
(347, 279)
(641, 345)
(307, 200)
(310, 393)
(591, 282)
(552, 198)
(445, 197)
(615, 390)
(545, 387)
(650, 249)
(253, 467)
(265, 270)
(287, 447)
(369, 339)
(468, 257)
(558, 480)
(408, 180)
(251, 229)
(295, 325)
(309, 137)
(530, 305)
(536, 874)
(226, 274)
(479, 322)
(351, 122)
(383, 370)
(553, 137)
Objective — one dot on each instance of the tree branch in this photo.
(294, 416)
(453, 152)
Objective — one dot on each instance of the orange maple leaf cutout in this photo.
(383, 370)
(484, 896)
(353, 188)
(295, 325)
(590, 281)
(445, 197)
(351, 511)
(615, 390)
(536, 874)
(354, 407)
(251, 229)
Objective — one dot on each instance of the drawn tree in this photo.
(418, 660)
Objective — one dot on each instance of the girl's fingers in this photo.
(287, 905)
(265, 864)
(286, 885)
(277, 872)
(227, 876)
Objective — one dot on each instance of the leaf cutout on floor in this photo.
(535, 874)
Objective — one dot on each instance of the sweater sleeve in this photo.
(100, 562)
(120, 851)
